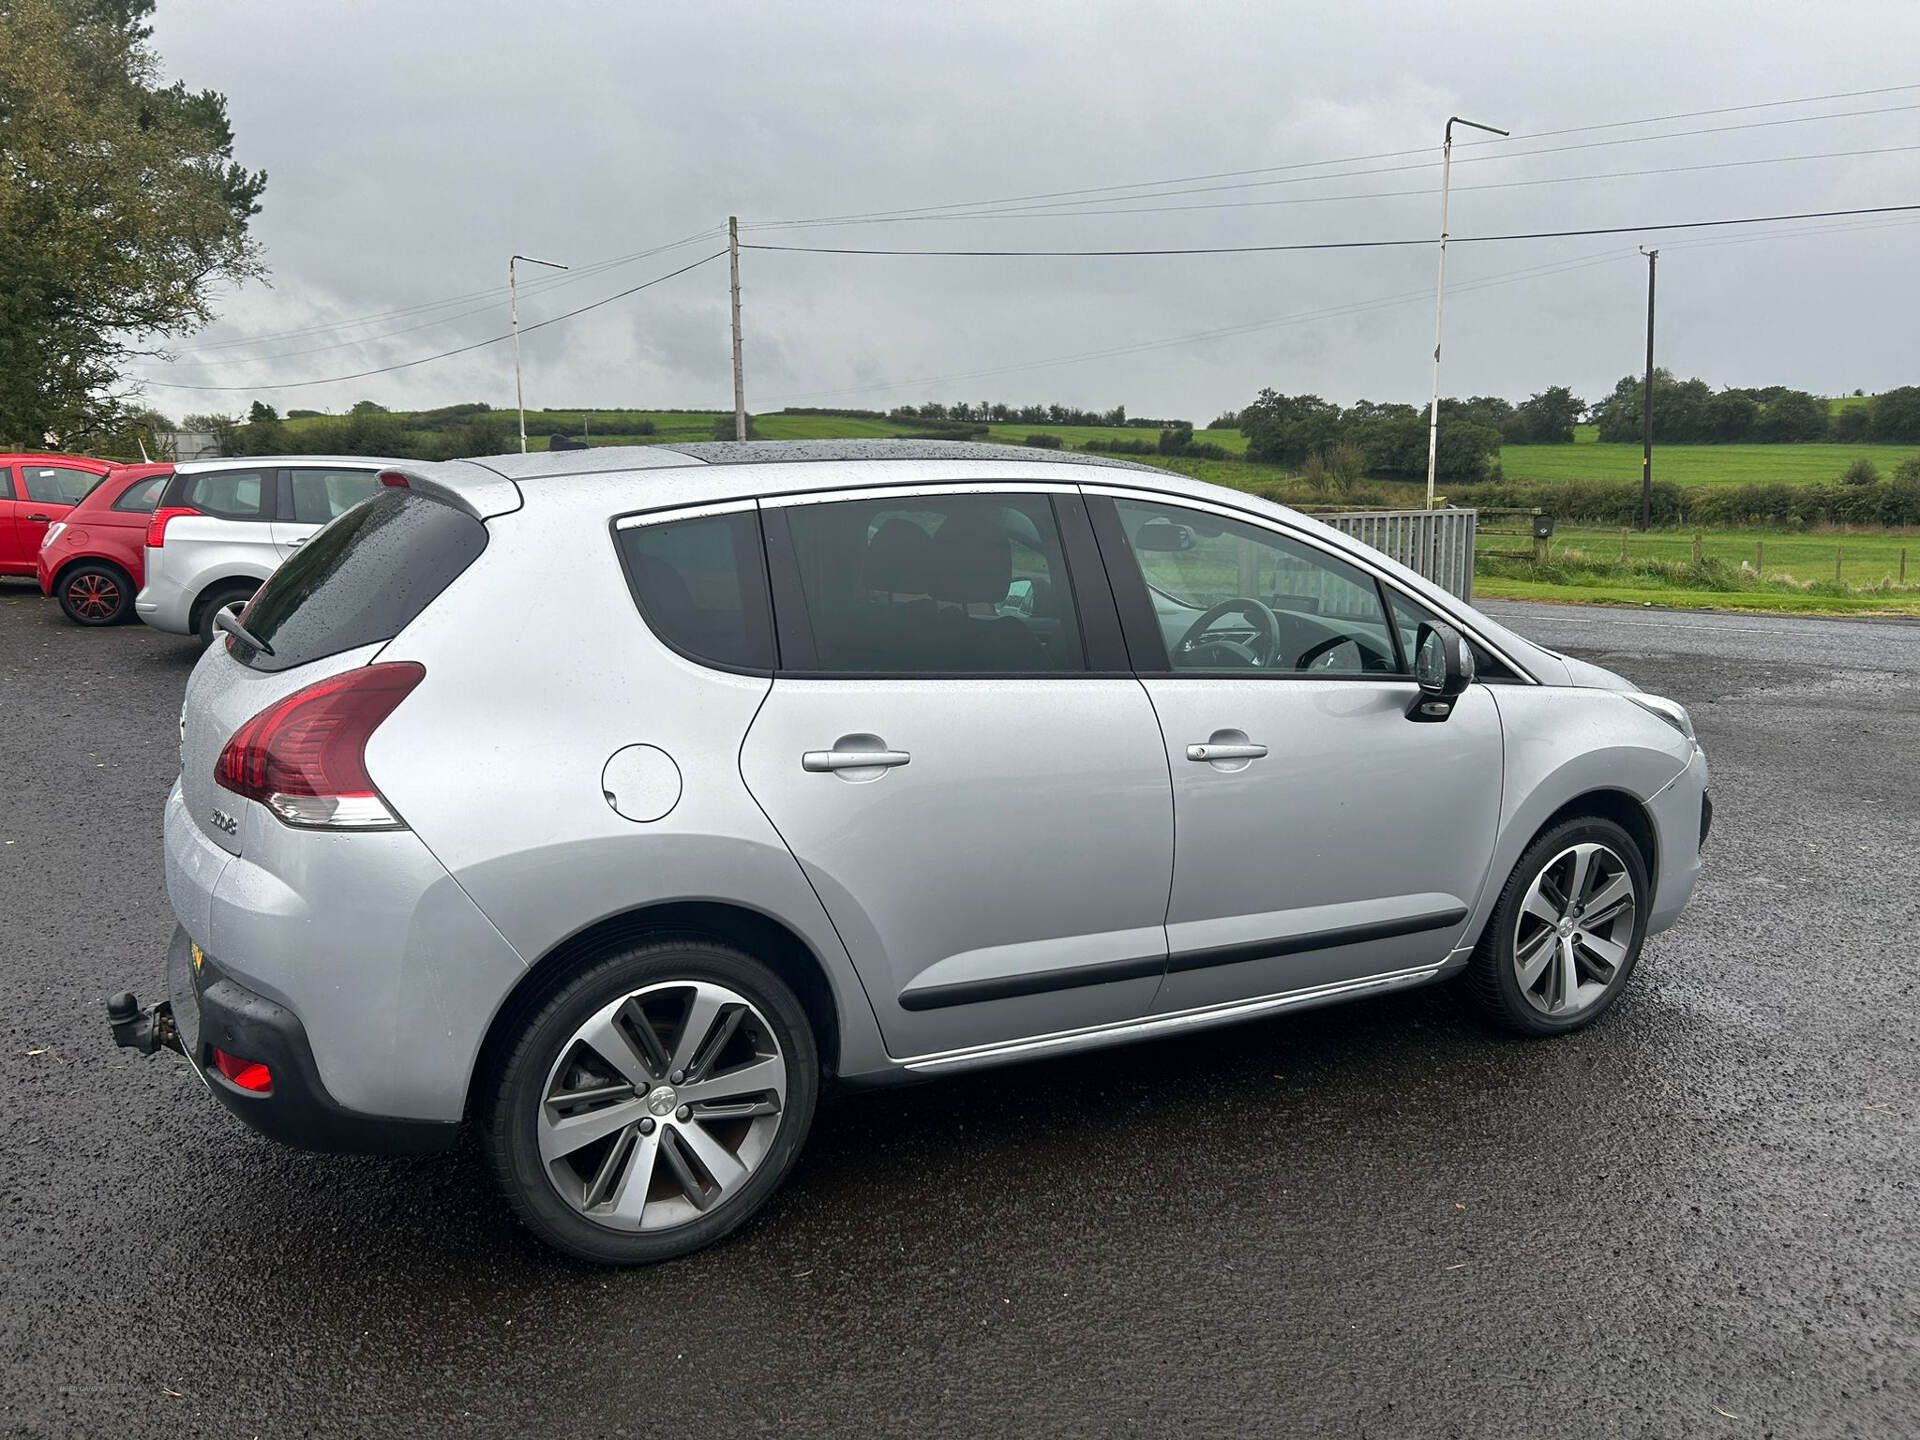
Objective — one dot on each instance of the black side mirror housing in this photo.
(1443, 665)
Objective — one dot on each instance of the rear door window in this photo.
(701, 585)
(360, 580)
(142, 497)
(228, 494)
(6, 483)
(57, 484)
(323, 495)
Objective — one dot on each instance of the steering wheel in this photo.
(1265, 623)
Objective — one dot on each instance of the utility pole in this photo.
(1440, 292)
(1646, 404)
(739, 375)
(513, 292)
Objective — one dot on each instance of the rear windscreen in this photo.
(360, 580)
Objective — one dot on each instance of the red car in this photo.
(35, 491)
(94, 559)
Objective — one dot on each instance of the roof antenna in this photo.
(145, 459)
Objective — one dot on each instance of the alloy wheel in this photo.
(1575, 929)
(93, 596)
(662, 1105)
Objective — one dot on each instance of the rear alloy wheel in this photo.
(214, 602)
(654, 1103)
(96, 594)
(1567, 931)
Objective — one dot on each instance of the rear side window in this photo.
(701, 584)
(360, 580)
(6, 482)
(228, 494)
(323, 495)
(57, 484)
(142, 497)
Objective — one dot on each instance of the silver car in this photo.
(222, 526)
(622, 802)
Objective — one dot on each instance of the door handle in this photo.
(1211, 751)
(291, 544)
(828, 761)
(39, 519)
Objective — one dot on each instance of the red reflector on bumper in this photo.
(247, 1074)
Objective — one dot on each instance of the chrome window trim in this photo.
(920, 487)
(667, 514)
(1360, 562)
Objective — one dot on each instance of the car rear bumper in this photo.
(162, 604)
(213, 1011)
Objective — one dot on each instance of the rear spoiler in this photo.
(474, 489)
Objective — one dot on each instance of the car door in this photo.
(48, 493)
(314, 495)
(13, 560)
(956, 753)
(1323, 838)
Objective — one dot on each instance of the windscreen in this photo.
(360, 580)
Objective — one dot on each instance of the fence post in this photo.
(1698, 556)
(1836, 564)
(1759, 556)
(1624, 531)
(1903, 564)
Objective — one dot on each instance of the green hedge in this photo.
(1884, 502)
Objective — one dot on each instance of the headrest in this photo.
(972, 559)
(899, 558)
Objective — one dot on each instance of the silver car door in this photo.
(960, 760)
(1323, 838)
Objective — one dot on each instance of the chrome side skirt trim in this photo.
(1065, 1042)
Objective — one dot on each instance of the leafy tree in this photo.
(1853, 424)
(261, 413)
(367, 407)
(1285, 429)
(1547, 418)
(1896, 414)
(1731, 416)
(120, 210)
(1792, 415)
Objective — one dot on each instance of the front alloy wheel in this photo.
(654, 1102)
(1566, 932)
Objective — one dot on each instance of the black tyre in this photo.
(95, 593)
(651, 1105)
(1566, 933)
(216, 599)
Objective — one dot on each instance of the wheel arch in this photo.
(767, 939)
(1625, 810)
(90, 558)
(207, 588)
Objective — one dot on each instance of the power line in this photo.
(446, 354)
(579, 272)
(1107, 190)
(1059, 210)
(1398, 194)
(1344, 244)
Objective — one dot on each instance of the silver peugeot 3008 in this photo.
(620, 801)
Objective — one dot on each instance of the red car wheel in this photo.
(96, 595)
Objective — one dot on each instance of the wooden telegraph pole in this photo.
(739, 375)
(1646, 411)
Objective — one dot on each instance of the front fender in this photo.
(1561, 744)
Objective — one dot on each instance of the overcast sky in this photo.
(412, 147)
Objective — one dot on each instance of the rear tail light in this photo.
(305, 757)
(247, 1074)
(395, 479)
(157, 527)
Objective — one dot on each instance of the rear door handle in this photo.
(827, 761)
(1211, 751)
(291, 544)
(39, 519)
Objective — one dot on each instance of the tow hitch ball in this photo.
(147, 1031)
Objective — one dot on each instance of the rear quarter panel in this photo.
(536, 674)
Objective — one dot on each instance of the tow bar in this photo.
(148, 1031)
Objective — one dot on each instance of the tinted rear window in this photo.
(227, 494)
(142, 495)
(360, 580)
(702, 586)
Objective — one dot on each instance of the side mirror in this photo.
(1443, 664)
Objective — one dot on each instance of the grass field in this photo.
(1696, 464)
(1866, 558)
